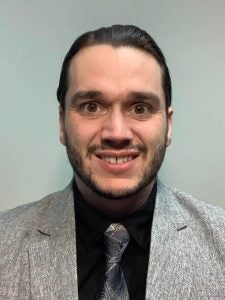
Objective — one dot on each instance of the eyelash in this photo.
(84, 107)
(141, 105)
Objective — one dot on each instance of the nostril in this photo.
(116, 143)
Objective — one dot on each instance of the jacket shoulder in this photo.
(28, 216)
(195, 210)
(21, 233)
(22, 217)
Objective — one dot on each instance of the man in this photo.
(115, 120)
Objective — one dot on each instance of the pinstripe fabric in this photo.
(187, 251)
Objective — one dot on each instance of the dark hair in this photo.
(117, 36)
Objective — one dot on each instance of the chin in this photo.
(116, 189)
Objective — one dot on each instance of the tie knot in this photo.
(116, 241)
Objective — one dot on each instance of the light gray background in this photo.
(34, 37)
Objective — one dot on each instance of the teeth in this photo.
(112, 160)
(119, 160)
(116, 160)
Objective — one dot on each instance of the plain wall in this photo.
(35, 35)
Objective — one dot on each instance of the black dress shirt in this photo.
(90, 227)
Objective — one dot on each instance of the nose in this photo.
(116, 131)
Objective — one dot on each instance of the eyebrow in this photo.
(98, 95)
(140, 95)
(92, 95)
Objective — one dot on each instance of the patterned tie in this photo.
(116, 241)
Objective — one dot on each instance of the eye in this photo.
(91, 109)
(140, 111)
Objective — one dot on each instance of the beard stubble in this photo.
(147, 176)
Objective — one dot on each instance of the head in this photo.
(115, 110)
(116, 36)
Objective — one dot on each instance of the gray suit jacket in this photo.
(187, 253)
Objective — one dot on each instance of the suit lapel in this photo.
(169, 250)
(52, 252)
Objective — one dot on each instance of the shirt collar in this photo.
(91, 224)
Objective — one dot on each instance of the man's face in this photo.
(115, 126)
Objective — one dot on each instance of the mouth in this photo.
(117, 159)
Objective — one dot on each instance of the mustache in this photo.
(142, 149)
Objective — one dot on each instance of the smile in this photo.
(116, 159)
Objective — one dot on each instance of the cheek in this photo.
(151, 133)
(82, 134)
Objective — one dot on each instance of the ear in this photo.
(170, 123)
(62, 125)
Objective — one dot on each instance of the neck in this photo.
(115, 208)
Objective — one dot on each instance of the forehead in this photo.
(114, 70)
